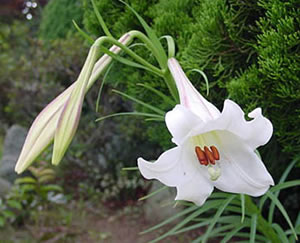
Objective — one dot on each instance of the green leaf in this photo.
(25, 180)
(282, 179)
(8, 214)
(232, 233)
(160, 53)
(102, 85)
(171, 45)
(166, 98)
(216, 217)
(2, 221)
(189, 218)
(280, 232)
(47, 188)
(242, 207)
(253, 228)
(100, 19)
(125, 61)
(130, 168)
(151, 107)
(282, 210)
(14, 204)
(205, 79)
(134, 113)
(169, 220)
(85, 35)
(153, 193)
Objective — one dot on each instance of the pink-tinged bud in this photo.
(42, 130)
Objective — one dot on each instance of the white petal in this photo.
(254, 133)
(242, 171)
(178, 167)
(189, 96)
(196, 190)
(180, 121)
(167, 169)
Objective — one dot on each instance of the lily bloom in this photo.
(213, 148)
(44, 127)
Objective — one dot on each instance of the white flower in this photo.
(213, 149)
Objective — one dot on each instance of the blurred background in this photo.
(249, 51)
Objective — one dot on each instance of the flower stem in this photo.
(262, 225)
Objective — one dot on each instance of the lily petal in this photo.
(242, 171)
(255, 133)
(189, 96)
(166, 169)
(180, 121)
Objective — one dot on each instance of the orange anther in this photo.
(215, 152)
(209, 155)
(201, 156)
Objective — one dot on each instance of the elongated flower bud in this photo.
(43, 128)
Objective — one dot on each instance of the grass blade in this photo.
(283, 211)
(242, 207)
(166, 98)
(253, 228)
(100, 19)
(158, 111)
(216, 217)
(84, 35)
(153, 193)
(133, 113)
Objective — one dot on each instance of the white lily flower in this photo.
(43, 128)
(213, 149)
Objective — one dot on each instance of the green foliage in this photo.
(57, 18)
(249, 51)
(28, 194)
(272, 82)
(227, 216)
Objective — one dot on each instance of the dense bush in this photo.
(248, 49)
(57, 18)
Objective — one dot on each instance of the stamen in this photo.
(215, 152)
(209, 155)
(201, 156)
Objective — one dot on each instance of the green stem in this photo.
(262, 225)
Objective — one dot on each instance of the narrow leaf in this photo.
(253, 228)
(282, 210)
(153, 193)
(151, 107)
(134, 113)
(100, 19)
(85, 35)
(216, 217)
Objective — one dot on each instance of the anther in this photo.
(215, 152)
(201, 156)
(209, 155)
